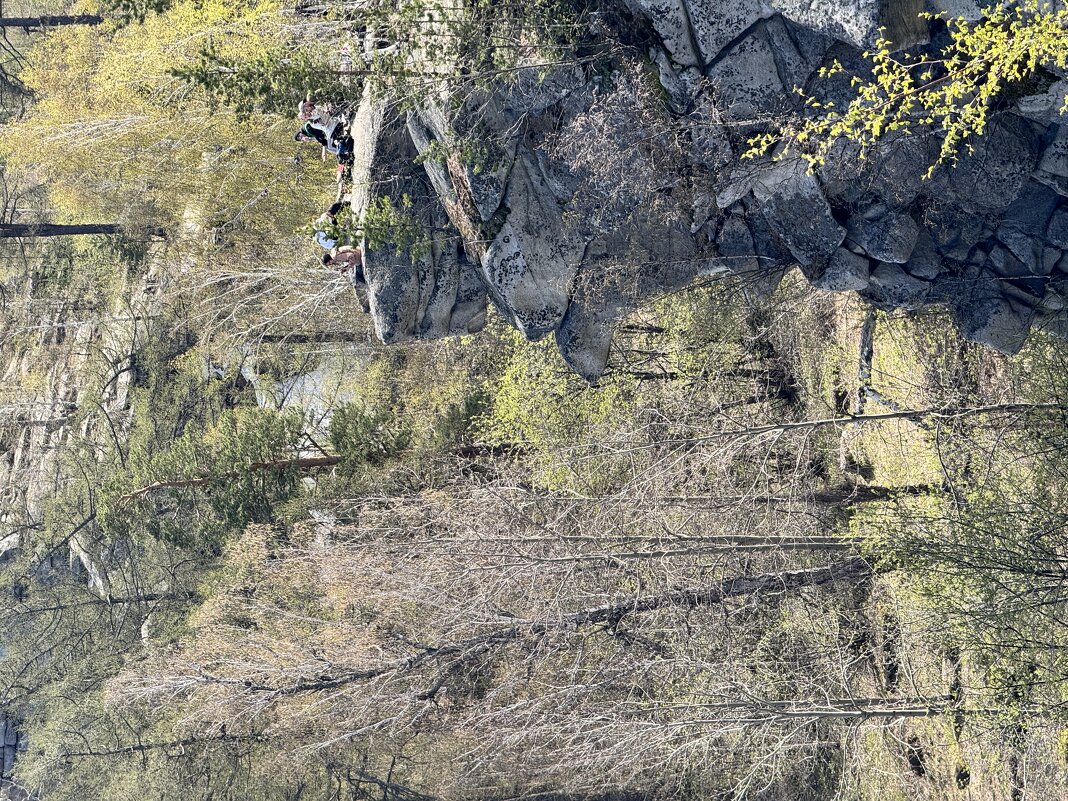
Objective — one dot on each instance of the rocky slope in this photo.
(584, 192)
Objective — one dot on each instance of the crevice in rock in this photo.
(733, 43)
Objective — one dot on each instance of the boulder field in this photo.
(566, 197)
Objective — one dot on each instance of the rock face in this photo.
(589, 191)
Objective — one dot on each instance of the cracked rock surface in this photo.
(592, 192)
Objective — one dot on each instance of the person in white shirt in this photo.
(326, 129)
(320, 119)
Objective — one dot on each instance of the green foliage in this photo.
(208, 482)
(342, 229)
(952, 93)
(541, 406)
(367, 437)
(135, 145)
(271, 81)
(393, 225)
(459, 419)
(987, 563)
(467, 46)
(129, 11)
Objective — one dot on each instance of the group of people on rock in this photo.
(321, 124)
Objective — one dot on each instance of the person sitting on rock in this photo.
(346, 259)
(322, 118)
(325, 224)
(341, 147)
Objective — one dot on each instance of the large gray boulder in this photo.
(994, 322)
(844, 272)
(795, 208)
(1052, 169)
(1045, 108)
(695, 32)
(890, 286)
(859, 22)
(987, 180)
(746, 78)
(594, 189)
(883, 234)
(529, 265)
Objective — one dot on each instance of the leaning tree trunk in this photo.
(312, 337)
(32, 230)
(38, 23)
(12, 230)
(300, 463)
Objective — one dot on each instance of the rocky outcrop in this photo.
(13, 742)
(567, 199)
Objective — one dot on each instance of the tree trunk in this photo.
(305, 463)
(310, 337)
(854, 569)
(459, 652)
(31, 230)
(36, 23)
(834, 497)
(147, 598)
(939, 413)
(11, 230)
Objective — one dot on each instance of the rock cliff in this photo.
(566, 199)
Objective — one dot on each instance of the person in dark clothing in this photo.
(339, 145)
(326, 220)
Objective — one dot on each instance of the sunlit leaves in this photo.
(952, 93)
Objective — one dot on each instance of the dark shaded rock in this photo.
(891, 287)
(1052, 169)
(993, 322)
(735, 245)
(1057, 232)
(981, 309)
(772, 261)
(618, 273)
(671, 21)
(797, 211)
(710, 147)
(585, 337)
(925, 261)
(1050, 257)
(883, 234)
(954, 231)
(1030, 212)
(988, 180)
(1025, 249)
(794, 66)
(845, 271)
(891, 170)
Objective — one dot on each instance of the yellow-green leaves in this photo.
(952, 93)
(113, 130)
